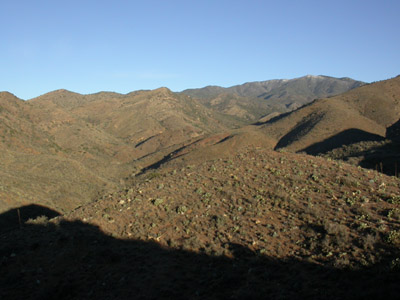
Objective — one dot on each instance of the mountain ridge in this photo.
(370, 108)
(155, 195)
(263, 86)
(101, 138)
(109, 137)
(255, 100)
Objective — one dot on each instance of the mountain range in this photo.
(204, 194)
(253, 100)
(62, 148)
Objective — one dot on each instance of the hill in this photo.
(144, 120)
(154, 195)
(362, 114)
(61, 149)
(31, 171)
(253, 100)
(254, 224)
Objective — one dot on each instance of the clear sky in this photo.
(90, 46)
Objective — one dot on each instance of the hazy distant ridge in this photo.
(254, 100)
(306, 86)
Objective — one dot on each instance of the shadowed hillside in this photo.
(344, 138)
(369, 109)
(19, 217)
(256, 225)
(81, 262)
(380, 155)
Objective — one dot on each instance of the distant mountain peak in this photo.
(314, 76)
(162, 90)
(323, 86)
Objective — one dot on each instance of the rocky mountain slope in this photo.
(62, 149)
(362, 114)
(147, 121)
(186, 206)
(252, 100)
(31, 170)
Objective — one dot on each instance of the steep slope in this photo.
(259, 223)
(305, 89)
(213, 147)
(253, 100)
(246, 109)
(62, 148)
(358, 115)
(16, 127)
(145, 120)
(34, 168)
(382, 155)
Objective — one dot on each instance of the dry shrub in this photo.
(41, 220)
(338, 233)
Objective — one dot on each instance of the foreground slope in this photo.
(358, 115)
(253, 225)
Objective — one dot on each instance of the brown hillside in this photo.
(360, 114)
(254, 100)
(16, 127)
(128, 128)
(215, 146)
(33, 167)
(147, 120)
(256, 224)
(62, 148)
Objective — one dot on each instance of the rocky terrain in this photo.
(253, 100)
(258, 224)
(362, 114)
(153, 195)
(62, 149)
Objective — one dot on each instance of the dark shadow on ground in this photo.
(273, 119)
(172, 155)
(300, 130)
(75, 260)
(346, 137)
(284, 114)
(14, 218)
(384, 158)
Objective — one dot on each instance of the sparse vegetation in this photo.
(204, 217)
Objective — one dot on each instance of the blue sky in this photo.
(122, 46)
